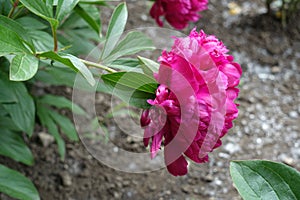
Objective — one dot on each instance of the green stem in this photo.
(110, 70)
(11, 12)
(54, 38)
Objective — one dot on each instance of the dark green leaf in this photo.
(6, 94)
(13, 146)
(134, 42)
(6, 122)
(149, 66)
(22, 110)
(31, 23)
(58, 76)
(132, 80)
(115, 29)
(132, 87)
(18, 29)
(5, 7)
(47, 121)
(65, 124)
(89, 19)
(264, 180)
(16, 185)
(61, 102)
(10, 42)
(64, 7)
(23, 67)
(71, 61)
(126, 64)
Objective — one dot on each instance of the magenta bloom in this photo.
(178, 12)
(194, 105)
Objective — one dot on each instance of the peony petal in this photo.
(178, 167)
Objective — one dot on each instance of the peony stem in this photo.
(11, 12)
(110, 70)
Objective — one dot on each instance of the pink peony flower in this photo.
(194, 105)
(178, 12)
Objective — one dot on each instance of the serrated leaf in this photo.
(71, 61)
(264, 180)
(89, 19)
(64, 7)
(134, 42)
(62, 102)
(18, 29)
(48, 122)
(149, 66)
(22, 109)
(23, 67)
(13, 146)
(115, 29)
(65, 124)
(16, 185)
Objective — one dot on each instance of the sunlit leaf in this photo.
(134, 42)
(23, 67)
(71, 61)
(115, 29)
(264, 180)
(64, 7)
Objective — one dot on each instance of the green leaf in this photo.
(115, 29)
(13, 146)
(132, 87)
(65, 124)
(6, 122)
(89, 19)
(43, 9)
(95, 2)
(264, 180)
(10, 42)
(62, 102)
(134, 42)
(31, 23)
(23, 67)
(22, 110)
(16, 185)
(5, 7)
(126, 64)
(58, 76)
(47, 121)
(18, 29)
(133, 80)
(149, 66)
(64, 7)
(73, 62)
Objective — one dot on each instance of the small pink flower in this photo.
(178, 12)
(194, 105)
